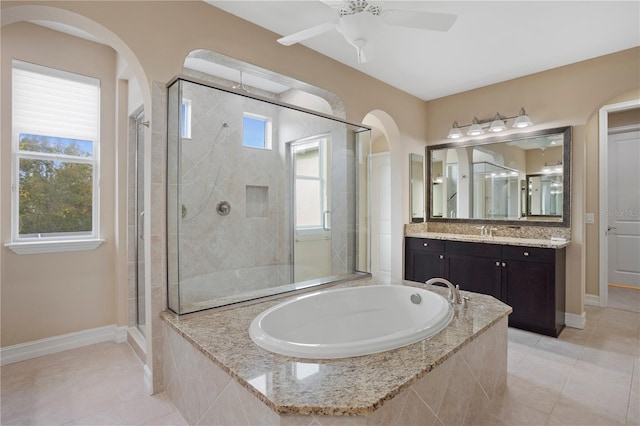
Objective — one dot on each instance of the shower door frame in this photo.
(295, 286)
(138, 120)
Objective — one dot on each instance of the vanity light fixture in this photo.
(554, 168)
(475, 129)
(522, 120)
(455, 131)
(498, 124)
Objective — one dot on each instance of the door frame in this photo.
(387, 155)
(602, 192)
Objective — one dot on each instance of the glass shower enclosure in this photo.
(262, 197)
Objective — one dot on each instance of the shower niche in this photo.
(262, 197)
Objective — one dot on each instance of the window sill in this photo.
(39, 247)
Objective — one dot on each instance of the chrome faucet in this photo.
(483, 230)
(454, 291)
(491, 229)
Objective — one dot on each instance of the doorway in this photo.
(380, 193)
(619, 205)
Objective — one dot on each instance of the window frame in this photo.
(185, 115)
(314, 232)
(58, 242)
(267, 130)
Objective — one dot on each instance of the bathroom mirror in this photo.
(416, 187)
(490, 180)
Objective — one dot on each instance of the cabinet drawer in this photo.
(473, 249)
(531, 254)
(425, 244)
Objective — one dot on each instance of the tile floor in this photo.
(585, 377)
(101, 384)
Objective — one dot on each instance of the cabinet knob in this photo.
(442, 256)
(526, 253)
(498, 264)
(504, 264)
(425, 244)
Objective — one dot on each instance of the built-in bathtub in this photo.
(217, 375)
(350, 322)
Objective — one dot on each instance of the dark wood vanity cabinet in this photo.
(474, 267)
(529, 279)
(534, 279)
(424, 259)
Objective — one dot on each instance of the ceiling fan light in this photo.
(497, 125)
(522, 120)
(455, 131)
(475, 129)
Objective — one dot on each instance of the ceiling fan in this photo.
(359, 19)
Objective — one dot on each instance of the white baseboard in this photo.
(592, 300)
(52, 345)
(575, 321)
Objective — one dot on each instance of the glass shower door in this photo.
(312, 208)
(140, 264)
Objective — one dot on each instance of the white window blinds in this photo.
(55, 103)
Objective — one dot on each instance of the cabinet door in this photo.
(530, 288)
(474, 273)
(424, 259)
(427, 265)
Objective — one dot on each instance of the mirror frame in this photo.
(566, 178)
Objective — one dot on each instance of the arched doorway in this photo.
(389, 135)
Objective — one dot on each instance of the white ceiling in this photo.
(490, 42)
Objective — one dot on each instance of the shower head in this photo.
(241, 85)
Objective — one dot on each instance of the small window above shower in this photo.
(256, 131)
(185, 112)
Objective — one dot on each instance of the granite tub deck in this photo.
(215, 374)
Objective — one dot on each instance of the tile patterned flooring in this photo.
(101, 384)
(585, 377)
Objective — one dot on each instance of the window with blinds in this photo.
(55, 126)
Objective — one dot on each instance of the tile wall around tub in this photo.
(157, 214)
(455, 393)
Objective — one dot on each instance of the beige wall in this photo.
(155, 37)
(46, 295)
(624, 118)
(160, 35)
(566, 96)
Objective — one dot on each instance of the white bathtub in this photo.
(350, 321)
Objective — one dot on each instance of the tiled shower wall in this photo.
(215, 167)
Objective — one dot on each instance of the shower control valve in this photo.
(223, 208)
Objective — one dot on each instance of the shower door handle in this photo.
(141, 225)
(326, 220)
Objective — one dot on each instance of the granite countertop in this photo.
(508, 241)
(346, 386)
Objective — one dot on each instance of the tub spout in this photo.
(454, 291)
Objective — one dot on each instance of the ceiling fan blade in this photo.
(421, 20)
(307, 34)
(335, 4)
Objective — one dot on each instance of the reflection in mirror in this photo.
(514, 178)
(416, 186)
(544, 195)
